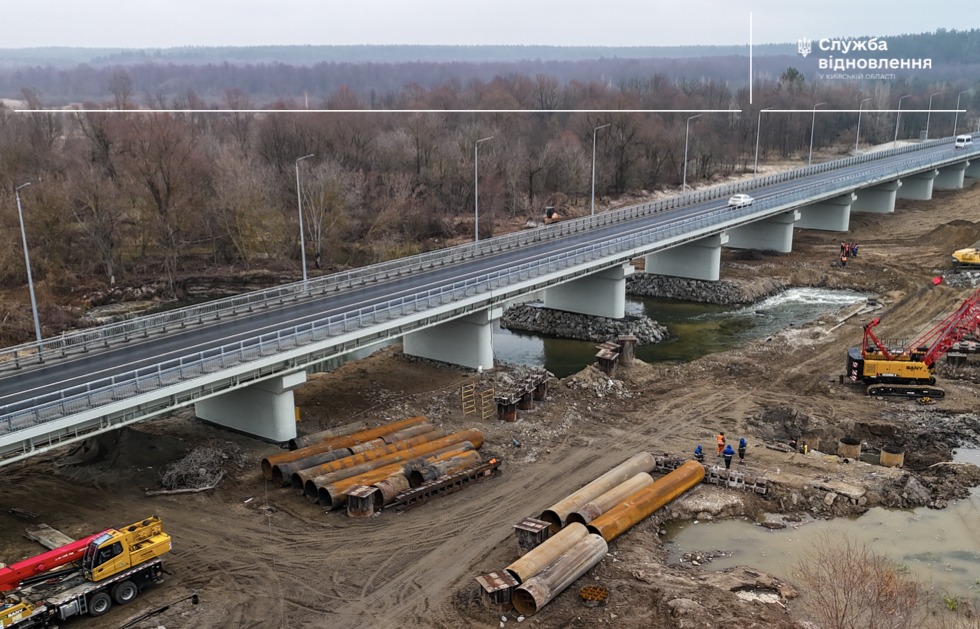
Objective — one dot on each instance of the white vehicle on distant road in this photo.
(740, 200)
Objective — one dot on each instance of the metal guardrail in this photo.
(105, 336)
(44, 409)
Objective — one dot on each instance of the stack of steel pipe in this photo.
(336, 431)
(329, 444)
(391, 487)
(558, 513)
(592, 510)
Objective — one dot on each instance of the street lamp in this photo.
(956, 118)
(687, 131)
(929, 115)
(299, 205)
(27, 263)
(594, 131)
(758, 128)
(857, 138)
(476, 188)
(813, 127)
(898, 117)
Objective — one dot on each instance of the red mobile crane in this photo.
(909, 371)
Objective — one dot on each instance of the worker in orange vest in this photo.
(721, 442)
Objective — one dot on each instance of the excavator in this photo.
(909, 371)
(968, 258)
(83, 577)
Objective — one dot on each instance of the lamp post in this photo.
(27, 263)
(758, 129)
(956, 118)
(476, 188)
(929, 114)
(299, 206)
(898, 117)
(687, 131)
(594, 131)
(813, 127)
(857, 138)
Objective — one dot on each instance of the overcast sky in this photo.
(170, 23)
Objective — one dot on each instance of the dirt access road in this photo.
(261, 556)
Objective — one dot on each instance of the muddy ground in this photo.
(262, 556)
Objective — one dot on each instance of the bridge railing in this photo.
(97, 338)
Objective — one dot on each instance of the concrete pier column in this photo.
(951, 177)
(918, 187)
(265, 409)
(973, 169)
(829, 215)
(770, 234)
(601, 294)
(697, 260)
(465, 341)
(879, 199)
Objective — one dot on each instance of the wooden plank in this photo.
(48, 537)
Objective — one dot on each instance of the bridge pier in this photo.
(879, 199)
(697, 260)
(951, 177)
(601, 294)
(973, 169)
(829, 215)
(774, 233)
(265, 409)
(466, 341)
(918, 187)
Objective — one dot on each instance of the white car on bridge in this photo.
(740, 200)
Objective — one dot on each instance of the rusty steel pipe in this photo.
(547, 552)
(312, 486)
(283, 473)
(334, 443)
(530, 596)
(620, 518)
(592, 510)
(389, 454)
(557, 513)
(389, 488)
(329, 433)
(445, 467)
(300, 478)
(405, 433)
(332, 496)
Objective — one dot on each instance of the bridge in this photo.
(237, 360)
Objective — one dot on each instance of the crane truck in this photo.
(84, 577)
(909, 371)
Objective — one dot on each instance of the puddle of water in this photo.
(941, 548)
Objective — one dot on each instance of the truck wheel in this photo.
(124, 592)
(98, 604)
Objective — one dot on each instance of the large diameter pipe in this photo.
(405, 433)
(329, 433)
(557, 513)
(620, 518)
(592, 510)
(300, 478)
(283, 473)
(389, 489)
(445, 467)
(312, 486)
(334, 443)
(539, 590)
(547, 552)
(333, 495)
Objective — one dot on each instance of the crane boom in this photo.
(965, 320)
(12, 575)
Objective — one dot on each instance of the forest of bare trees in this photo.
(122, 193)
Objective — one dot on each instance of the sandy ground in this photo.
(262, 556)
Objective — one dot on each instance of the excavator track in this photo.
(906, 390)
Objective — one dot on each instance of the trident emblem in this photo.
(804, 46)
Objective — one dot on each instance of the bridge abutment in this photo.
(918, 187)
(601, 294)
(774, 233)
(466, 341)
(951, 177)
(265, 409)
(973, 169)
(829, 215)
(879, 199)
(697, 260)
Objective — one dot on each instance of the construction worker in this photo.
(728, 453)
(699, 454)
(721, 442)
(742, 444)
